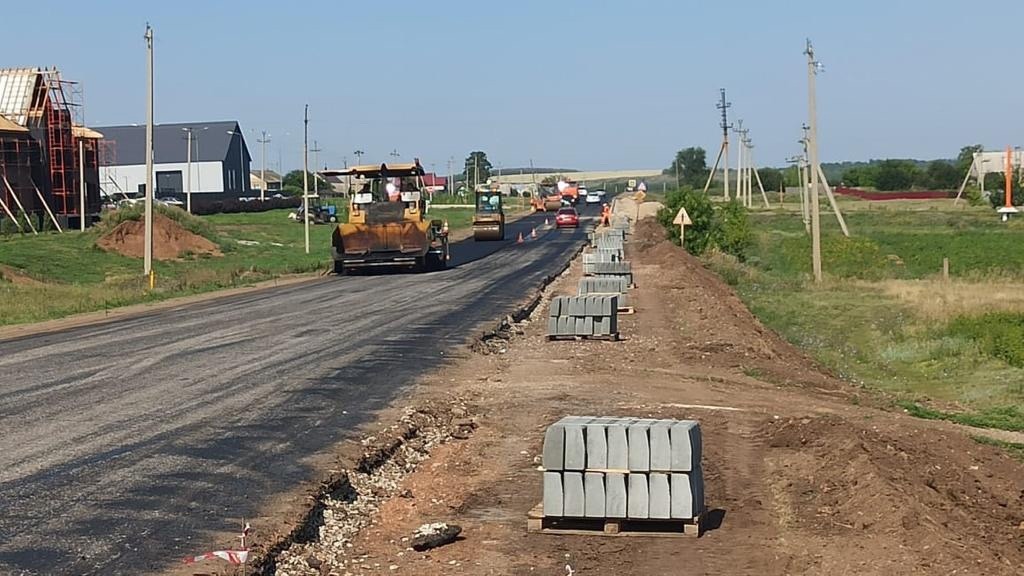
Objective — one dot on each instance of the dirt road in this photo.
(803, 475)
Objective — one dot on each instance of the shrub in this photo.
(735, 235)
(1000, 334)
(701, 235)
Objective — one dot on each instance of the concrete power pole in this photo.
(316, 164)
(305, 174)
(263, 141)
(148, 242)
(812, 116)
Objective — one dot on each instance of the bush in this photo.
(726, 228)
(232, 206)
(999, 334)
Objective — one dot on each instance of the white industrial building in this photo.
(219, 160)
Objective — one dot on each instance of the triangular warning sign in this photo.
(682, 218)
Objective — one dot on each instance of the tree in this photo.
(966, 158)
(291, 184)
(771, 178)
(941, 175)
(896, 175)
(862, 176)
(692, 167)
(478, 168)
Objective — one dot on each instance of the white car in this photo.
(170, 201)
(593, 198)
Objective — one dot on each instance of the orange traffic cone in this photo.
(533, 233)
(520, 239)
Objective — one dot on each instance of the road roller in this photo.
(489, 216)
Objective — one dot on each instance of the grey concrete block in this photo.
(687, 494)
(566, 326)
(637, 498)
(553, 326)
(661, 445)
(639, 446)
(581, 326)
(588, 325)
(553, 501)
(686, 446)
(553, 455)
(597, 444)
(575, 456)
(593, 305)
(615, 495)
(593, 489)
(618, 445)
(659, 496)
(574, 498)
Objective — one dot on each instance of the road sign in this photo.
(639, 196)
(642, 187)
(631, 183)
(682, 220)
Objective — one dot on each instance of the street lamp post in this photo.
(263, 170)
(188, 166)
(241, 160)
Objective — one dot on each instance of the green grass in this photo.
(854, 324)
(57, 275)
(1015, 449)
(1000, 418)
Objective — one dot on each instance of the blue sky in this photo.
(573, 83)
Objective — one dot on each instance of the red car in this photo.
(567, 218)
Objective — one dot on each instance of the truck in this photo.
(387, 226)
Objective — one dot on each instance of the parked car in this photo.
(593, 198)
(170, 201)
(567, 218)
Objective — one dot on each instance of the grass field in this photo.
(56, 275)
(884, 318)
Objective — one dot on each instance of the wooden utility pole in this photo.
(812, 120)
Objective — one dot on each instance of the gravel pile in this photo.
(387, 459)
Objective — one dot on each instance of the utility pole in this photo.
(805, 187)
(188, 168)
(739, 161)
(305, 174)
(359, 156)
(148, 241)
(263, 141)
(316, 164)
(394, 154)
(812, 116)
(81, 182)
(451, 182)
(476, 171)
(724, 149)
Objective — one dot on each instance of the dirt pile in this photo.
(954, 501)
(170, 240)
(17, 277)
(628, 207)
(717, 325)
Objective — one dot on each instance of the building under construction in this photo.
(48, 158)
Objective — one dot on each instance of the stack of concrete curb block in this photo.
(605, 285)
(623, 269)
(594, 316)
(621, 223)
(639, 469)
(600, 255)
(608, 240)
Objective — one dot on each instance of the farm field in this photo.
(56, 275)
(885, 319)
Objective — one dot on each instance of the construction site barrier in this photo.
(634, 468)
(584, 317)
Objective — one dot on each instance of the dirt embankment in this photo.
(800, 478)
(170, 240)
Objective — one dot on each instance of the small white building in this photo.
(219, 160)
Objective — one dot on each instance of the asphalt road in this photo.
(125, 446)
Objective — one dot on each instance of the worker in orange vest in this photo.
(606, 215)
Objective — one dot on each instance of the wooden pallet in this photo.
(537, 522)
(627, 310)
(607, 337)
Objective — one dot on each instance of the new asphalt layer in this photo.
(125, 445)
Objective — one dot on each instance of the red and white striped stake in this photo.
(235, 557)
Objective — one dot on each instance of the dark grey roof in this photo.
(170, 144)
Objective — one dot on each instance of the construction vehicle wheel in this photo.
(339, 267)
(334, 219)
